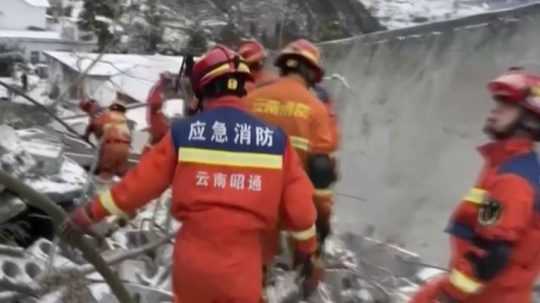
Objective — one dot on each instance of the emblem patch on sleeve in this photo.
(490, 212)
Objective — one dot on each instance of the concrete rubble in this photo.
(36, 157)
(51, 272)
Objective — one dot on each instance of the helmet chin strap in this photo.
(520, 126)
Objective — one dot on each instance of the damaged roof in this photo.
(133, 75)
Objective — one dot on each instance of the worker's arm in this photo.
(321, 167)
(321, 141)
(144, 183)
(503, 217)
(155, 100)
(90, 129)
(299, 213)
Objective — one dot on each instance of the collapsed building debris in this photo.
(36, 268)
(35, 157)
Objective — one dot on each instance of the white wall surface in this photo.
(19, 15)
(413, 118)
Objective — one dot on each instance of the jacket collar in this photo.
(226, 101)
(499, 151)
(298, 80)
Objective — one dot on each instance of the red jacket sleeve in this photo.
(155, 97)
(147, 181)
(297, 208)
(510, 201)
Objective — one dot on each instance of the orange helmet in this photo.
(216, 63)
(519, 87)
(252, 51)
(301, 50)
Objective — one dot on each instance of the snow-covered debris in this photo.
(45, 147)
(43, 35)
(36, 157)
(132, 75)
(13, 158)
(38, 3)
(65, 186)
(403, 13)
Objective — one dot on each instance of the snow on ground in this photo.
(45, 35)
(37, 89)
(71, 178)
(38, 3)
(133, 75)
(404, 13)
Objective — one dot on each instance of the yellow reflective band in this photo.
(305, 234)
(310, 56)
(464, 283)
(108, 203)
(300, 143)
(242, 68)
(217, 71)
(324, 192)
(227, 158)
(476, 196)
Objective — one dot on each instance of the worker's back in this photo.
(234, 179)
(111, 126)
(288, 104)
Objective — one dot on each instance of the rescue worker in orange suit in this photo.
(254, 54)
(233, 177)
(91, 108)
(157, 121)
(495, 235)
(111, 130)
(289, 104)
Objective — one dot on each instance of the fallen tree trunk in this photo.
(58, 217)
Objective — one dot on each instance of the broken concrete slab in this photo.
(14, 159)
(45, 146)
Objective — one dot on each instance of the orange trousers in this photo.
(113, 159)
(225, 269)
(324, 204)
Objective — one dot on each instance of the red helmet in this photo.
(519, 87)
(305, 51)
(252, 51)
(217, 62)
(88, 106)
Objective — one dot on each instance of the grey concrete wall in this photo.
(413, 118)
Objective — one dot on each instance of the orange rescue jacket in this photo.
(288, 104)
(261, 78)
(229, 172)
(502, 210)
(110, 127)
